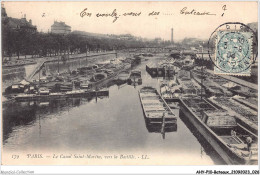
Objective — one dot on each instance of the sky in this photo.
(43, 15)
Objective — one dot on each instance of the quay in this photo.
(41, 63)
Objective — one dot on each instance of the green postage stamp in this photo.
(233, 53)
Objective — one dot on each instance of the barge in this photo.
(171, 90)
(135, 77)
(68, 94)
(160, 70)
(155, 109)
(233, 142)
(123, 76)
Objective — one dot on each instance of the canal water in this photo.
(108, 124)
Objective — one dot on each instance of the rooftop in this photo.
(13, 22)
(58, 24)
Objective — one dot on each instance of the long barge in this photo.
(230, 142)
(69, 94)
(155, 109)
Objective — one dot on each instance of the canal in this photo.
(108, 124)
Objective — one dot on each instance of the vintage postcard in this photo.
(129, 83)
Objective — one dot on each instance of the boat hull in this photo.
(60, 96)
(158, 119)
(220, 147)
(159, 71)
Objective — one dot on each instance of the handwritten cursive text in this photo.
(184, 11)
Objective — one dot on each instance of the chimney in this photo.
(172, 35)
(30, 21)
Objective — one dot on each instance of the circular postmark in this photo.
(232, 48)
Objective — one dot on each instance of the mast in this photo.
(163, 126)
(165, 73)
(68, 61)
(59, 62)
(86, 51)
(202, 73)
(39, 78)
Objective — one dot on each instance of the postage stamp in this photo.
(233, 53)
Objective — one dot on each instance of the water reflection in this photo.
(159, 128)
(17, 114)
(25, 113)
(122, 83)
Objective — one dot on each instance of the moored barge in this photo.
(135, 77)
(155, 109)
(68, 94)
(160, 70)
(234, 143)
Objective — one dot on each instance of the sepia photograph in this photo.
(130, 83)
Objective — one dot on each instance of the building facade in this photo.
(60, 28)
(17, 24)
